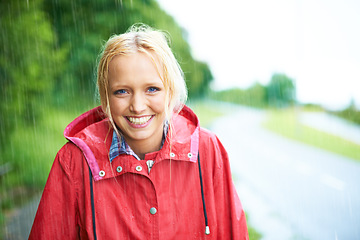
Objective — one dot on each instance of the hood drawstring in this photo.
(207, 228)
(92, 203)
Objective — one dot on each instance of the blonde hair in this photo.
(154, 43)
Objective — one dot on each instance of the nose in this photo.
(138, 103)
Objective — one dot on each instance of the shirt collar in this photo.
(119, 145)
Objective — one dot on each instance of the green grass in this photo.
(253, 234)
(285, 123)
(206, 112)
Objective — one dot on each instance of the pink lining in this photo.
(76, 126)
(194, 145)
(89, 155)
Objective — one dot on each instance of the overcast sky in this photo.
(315, 42)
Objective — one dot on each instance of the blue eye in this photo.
(121, 91)
(153, 89)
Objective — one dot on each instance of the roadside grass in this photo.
(253, 234)
(285, 122)
(206, 112)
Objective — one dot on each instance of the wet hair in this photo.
(155, 44)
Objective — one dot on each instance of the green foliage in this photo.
(28, 63)
(351, 113)
(199, 79)
(253, 233)
(281, 91)
(49, 50)
(255, 96)
(30, 153)
(83, 26)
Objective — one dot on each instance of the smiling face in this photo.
(137, 100)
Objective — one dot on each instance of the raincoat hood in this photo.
(92, 133)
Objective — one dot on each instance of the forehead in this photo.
(131, 61)
(134, 66)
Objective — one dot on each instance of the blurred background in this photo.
(278, 81)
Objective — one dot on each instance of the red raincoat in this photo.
(131, 203)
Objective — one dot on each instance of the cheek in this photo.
(117, 107)
(158, 104)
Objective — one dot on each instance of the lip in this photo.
(139, 125)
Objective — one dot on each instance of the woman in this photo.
(139, 166)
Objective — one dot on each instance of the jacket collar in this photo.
(92, 133)
(119, 145)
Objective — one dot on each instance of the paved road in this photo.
(290, 190)
(19, 225)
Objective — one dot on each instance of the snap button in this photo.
(153, 210)
(119, 169)
(172, 154)
(138, 168)
(189, 155)
(102, 173)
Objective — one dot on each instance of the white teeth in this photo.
(139, 121)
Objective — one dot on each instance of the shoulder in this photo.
(207, 134)
(70, 157)
(69, 150)
(211, 147)
(210, 139)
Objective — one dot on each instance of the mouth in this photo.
(139, 121)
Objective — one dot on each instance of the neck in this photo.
(144, 146)
(144, 149)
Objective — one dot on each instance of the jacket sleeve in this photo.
(231, 220)
(56, 214)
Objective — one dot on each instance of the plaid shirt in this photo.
(119, 146)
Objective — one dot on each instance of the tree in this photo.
(281, 91)
(256, 95)
(28, 63)
(82, 27)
